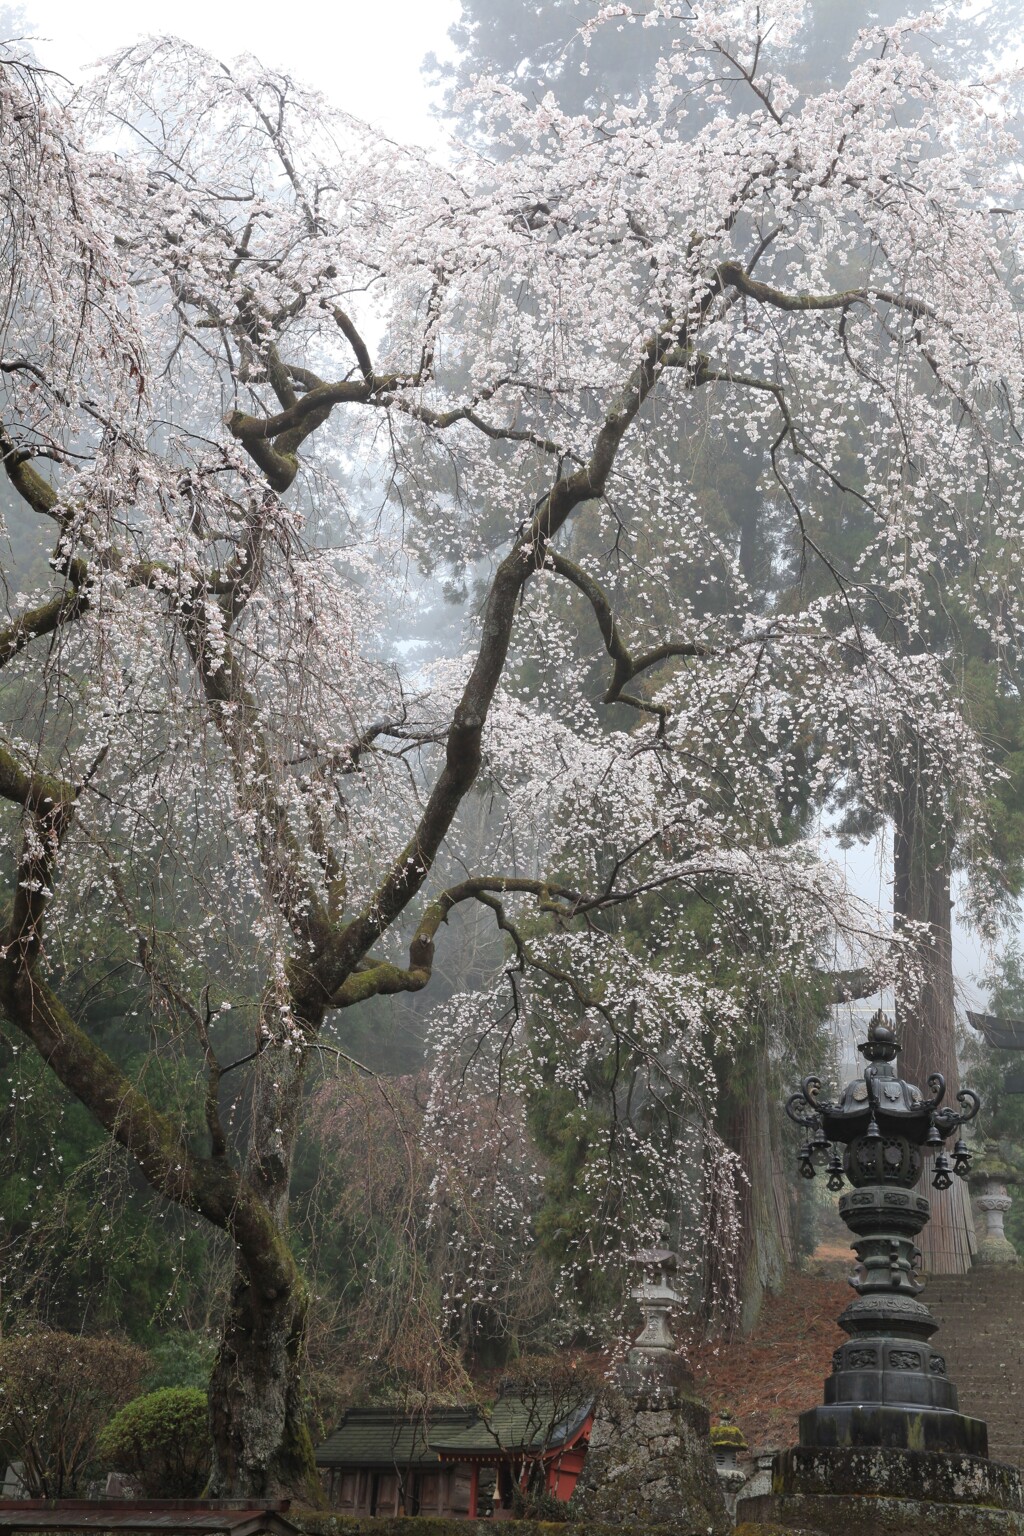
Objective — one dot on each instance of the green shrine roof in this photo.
(514, 1425)
(385, 1437)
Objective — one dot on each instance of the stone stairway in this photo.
(981, 1334)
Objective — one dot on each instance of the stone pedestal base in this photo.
(995, 1247)
(823, 1515)
(996, 1250)
(881, 1425)
(649, 1463)
(878, 1492)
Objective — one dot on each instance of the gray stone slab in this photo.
(923, 1475)
(852, 1515)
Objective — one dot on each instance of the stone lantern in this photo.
(649, 1461)
(884, 1126)
(889, 1439)
(727, 1441)
(657, 1297)
(990, 1182)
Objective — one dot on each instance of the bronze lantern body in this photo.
(888, 1386)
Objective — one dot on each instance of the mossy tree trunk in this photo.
(261, 1443)
(262, 1447)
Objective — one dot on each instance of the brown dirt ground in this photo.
(766, 1379)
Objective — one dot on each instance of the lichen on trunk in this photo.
(261, 1442)
(262, 1445)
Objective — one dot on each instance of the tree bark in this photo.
(262, 1446)
(765, 1215)
(926, 1024)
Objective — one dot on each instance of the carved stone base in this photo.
(893, 1428)
(878, 1492)
(889, 1385)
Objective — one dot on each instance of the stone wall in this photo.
(315, 1523)
(650, 1462)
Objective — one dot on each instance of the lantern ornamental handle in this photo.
(793, 1104)
(963, 1097)
(937, 1084)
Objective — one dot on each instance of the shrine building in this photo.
(453, 1461)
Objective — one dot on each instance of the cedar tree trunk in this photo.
(765, 1238)
(922, 867)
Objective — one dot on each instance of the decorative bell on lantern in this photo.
(835, 1173)
(941, 1177)
(961, 1159)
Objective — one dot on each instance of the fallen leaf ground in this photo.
(768, 1378)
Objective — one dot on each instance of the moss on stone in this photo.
(723, 1435)
(762, 1528)
(314, 1523)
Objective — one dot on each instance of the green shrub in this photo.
(161, 1440)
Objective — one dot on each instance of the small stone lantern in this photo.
(649, 1462)
(658, 1297)
(727, 1441)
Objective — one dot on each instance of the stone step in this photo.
(1005, 1372)
(977, 1316)
(955, 1286)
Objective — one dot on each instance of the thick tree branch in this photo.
(372, 978)
(342, 392)
(236, 585)
(355, 341)
(732, 274)
(154, 1139)
(551, 897)
(273, 442)
(627, 667)
(463, 747)
(207, 1186)
(47, 617)
(48, 803)
(28, 482)
(380, 979)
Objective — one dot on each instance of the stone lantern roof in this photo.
(994, 1161)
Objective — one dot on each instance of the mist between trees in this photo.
(395, 988)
